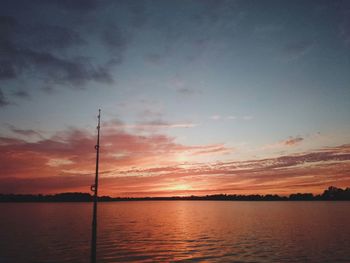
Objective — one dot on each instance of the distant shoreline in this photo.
(152, 200)
(331, 194)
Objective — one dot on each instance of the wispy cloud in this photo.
(297, 49)
(267, 28)
(151, 125)
(308, 172)
(217, 117)
(247, 117)
(157, 124)
(344, 24)
(75, 6)
(150, 165)
(186, 91)
(289, 142)
(114, 38)
(21, 94)
(293, 141)
(182, 87)
(25, 132)
(3, 100)
(121, 149)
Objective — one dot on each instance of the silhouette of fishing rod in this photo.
(94, 189)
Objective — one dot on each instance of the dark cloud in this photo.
(345, 32)
(215, 10)
(50, 37)
(7, 25)
(17, 57)
(24, 132)
(345, 25)
(138, 12)
(342, 8)
(57, 70)
(186, 91)
(21, 94)
(7, 69)
(3, 101)
(114, 38)
(42, 51)
(75, 5)
(293, 141)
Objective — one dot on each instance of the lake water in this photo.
(177, 231)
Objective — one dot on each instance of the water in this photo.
(177, 231)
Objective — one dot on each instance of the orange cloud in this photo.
(71, 153)
(135, 165)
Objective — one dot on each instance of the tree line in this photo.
(330, 194)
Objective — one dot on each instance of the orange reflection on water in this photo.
(163, 231)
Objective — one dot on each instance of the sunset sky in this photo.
(197, 96)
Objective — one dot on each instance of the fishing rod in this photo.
(94, 189)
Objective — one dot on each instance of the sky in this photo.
(197, 96)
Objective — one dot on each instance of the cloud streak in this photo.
(25, 132)
(218, 117)
(134, 165)
(75, 148)
(297, 49)
(293, 141)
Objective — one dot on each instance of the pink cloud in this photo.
(133, 165)
(72, 151)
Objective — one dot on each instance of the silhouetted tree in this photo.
(301, 197)
(332, 193)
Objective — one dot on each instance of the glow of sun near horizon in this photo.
(198, 97)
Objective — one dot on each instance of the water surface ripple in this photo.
(177, 231)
